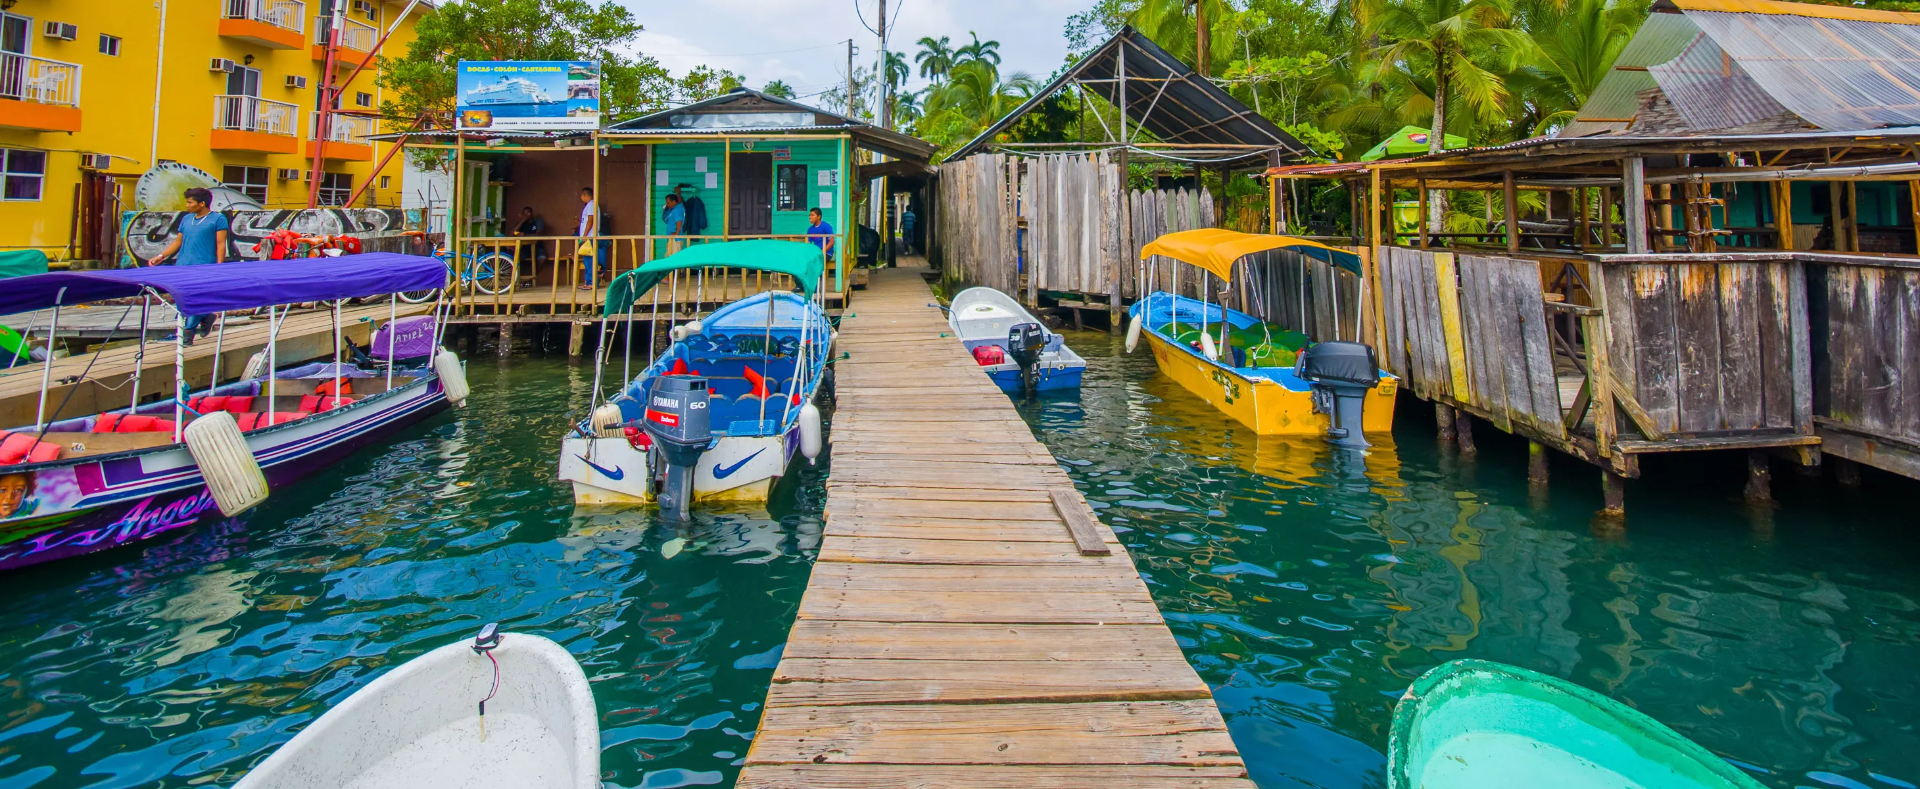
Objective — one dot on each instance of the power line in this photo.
(735, 54)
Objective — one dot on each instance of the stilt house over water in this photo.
(1721, 252)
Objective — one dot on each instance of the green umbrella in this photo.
(1408, 141)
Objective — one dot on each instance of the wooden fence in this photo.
(975, 235)
(1677, 353)
(1867, 327)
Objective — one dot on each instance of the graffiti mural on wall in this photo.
(146, 232)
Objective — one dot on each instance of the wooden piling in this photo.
(576, 339)
(1443, 414)
(505, 344)
(1536, 464)
(1613, 493)
(1463, 431)
(1759, 476)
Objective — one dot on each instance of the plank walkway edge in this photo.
(968, 622)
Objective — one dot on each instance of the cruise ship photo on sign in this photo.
(509, 90)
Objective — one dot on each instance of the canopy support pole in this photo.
(46, 367)
(273, 357)
(179, 369)
(139, 358)
(393, 314)
(219, 339)
(337, 348)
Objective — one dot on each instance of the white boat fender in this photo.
(607, 421)
(810, 431)
(685, 330)
(232, 473)
(453, 377)
(1133, 333)
(1208, 348)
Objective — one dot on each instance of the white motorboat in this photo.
(507, 710)
(983, 318)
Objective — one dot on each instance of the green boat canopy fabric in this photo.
(22, 262)
(1408, 141)
(802, 261)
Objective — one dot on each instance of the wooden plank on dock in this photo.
(968, 622)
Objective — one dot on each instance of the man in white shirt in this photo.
(589, 228)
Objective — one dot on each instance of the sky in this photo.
(804, 43)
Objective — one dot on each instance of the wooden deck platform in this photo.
(303, 335)
(953, 634)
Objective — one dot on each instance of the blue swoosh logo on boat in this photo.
(615, 474)
(723, 472)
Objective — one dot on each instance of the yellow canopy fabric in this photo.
(1216, 249)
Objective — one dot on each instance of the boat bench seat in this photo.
(131, 423)
(314, 403)
(233, 404)
(257, 421)
(24, 447)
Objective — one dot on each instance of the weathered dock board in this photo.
(303, 335)
(953, 634)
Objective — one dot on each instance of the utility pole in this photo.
(1202, 56)
(850, 79)
(886, 81)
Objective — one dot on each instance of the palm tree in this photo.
(935, 57)
(778, 88)
(896, 69)
(1577, 43)
(972, 98)
(906, 106)
(985, 51)
(1460, 45)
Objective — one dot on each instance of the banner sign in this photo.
(528, 95)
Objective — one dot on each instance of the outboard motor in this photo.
(1341, 373)
(681, 426)
(1025, 341)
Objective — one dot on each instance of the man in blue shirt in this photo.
(906, 228)
(675, 220)
(202, 241)
(819, 233)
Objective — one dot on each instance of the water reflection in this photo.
(187, 662)
(1309, 586)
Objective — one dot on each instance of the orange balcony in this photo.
(356, 40)
(250, 123)
(346, 137)
(39, 94)
(274, 24)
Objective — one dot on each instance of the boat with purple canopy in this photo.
(76, 483)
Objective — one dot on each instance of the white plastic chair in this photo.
(45, 87)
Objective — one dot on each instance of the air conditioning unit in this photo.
(222, 64)
(96, 161)
(290, 174)
(60, 30)
(363, 7)
(296, 82)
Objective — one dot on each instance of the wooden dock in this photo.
(954, 633)
(303, 335)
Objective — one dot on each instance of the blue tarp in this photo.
(199, 290)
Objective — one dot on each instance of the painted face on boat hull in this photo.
(13, 493)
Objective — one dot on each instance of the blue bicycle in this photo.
(491, 273)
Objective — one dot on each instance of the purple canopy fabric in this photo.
(198, 290)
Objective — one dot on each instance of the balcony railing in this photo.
(356, 36)
(254, 114)
(343, 128)
(284, 14)
(27, 78)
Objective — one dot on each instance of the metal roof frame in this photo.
(1166, 98)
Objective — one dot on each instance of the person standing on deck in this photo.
(202, 241)
(675, 218)
(906, 228)
(588, 251)
(819, 233)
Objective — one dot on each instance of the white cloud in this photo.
(802, 43)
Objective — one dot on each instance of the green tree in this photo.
(778, 88)
(1577, 42)
(420, 83)
(935, 57)
(973, 97)
(705, 82)
(983, 51)
(896, 69)
(1457, 46)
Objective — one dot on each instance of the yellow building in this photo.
(93, 95)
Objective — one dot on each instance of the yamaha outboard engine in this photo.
(1025, 341)
(1341, 373)
(681, 427)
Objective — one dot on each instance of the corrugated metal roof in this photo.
(1710, 90)
(1661, 38)
(1792, 9)
(1835, 73)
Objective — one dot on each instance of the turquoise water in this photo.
(1308, 588)
(187, 662)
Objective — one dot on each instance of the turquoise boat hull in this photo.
(1474, 724)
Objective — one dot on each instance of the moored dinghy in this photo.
(506, 710)
(984, 319)
(719, 414)
(1475, 724)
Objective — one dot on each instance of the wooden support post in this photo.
(1836, 221)
(1373, 216)
(506, 340)
(1421, 185)
(1581, 205)
(1613, 493)
(1913, 203)
(1783, 213)
(1606, 217)
(1633, 198)
(1463, 430)
(1853, 217)
(576, 337)
(1510, 202)
(1663, 218)
(1389, 231)
(1536, 464)
(1443, 414)
(1759, 476)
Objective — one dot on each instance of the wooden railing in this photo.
(550, 276)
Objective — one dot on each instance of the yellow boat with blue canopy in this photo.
(1273, 379)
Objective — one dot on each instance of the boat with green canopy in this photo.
(720, 412)
(1476, 724)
